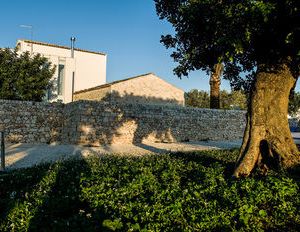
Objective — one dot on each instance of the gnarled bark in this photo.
(214, 82)
(267, 138)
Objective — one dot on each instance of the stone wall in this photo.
(94, 123)
(31, 122)
(98, 123)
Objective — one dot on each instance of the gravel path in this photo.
(26, 155)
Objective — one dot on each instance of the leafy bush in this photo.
(175, 192)
(24, 77)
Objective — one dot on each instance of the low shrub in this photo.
(174, 192)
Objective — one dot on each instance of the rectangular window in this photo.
(61, 79)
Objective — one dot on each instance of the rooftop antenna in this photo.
(30, 27)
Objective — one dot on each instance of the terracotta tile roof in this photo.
(59, 46)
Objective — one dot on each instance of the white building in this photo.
(86, 69)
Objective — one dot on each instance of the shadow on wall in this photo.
(143, 125)
(115, 96)
(128, 119)
(124, 119)
(116, 119)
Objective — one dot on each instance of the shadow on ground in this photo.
(47, 198)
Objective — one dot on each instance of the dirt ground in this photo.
(25, 155)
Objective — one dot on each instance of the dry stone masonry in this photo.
(94, 123)
(31, 122)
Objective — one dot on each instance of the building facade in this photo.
(82, 70)
(147, 88)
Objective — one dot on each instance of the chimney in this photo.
(72, 46)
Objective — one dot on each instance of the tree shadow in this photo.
(112, 122)
(144, 125)
(294, 173)
(16, 185)
(125, 119)
(209, 159)
(48, 197)
(152, 149)
(119, 119)
(115, 96)
(63, 206)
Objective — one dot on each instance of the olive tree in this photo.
(255, 40)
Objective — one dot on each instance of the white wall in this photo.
(89, 67)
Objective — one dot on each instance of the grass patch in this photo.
(176, 192)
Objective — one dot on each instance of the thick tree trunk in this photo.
(267, 139)
(214, 82)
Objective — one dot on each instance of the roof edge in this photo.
(120, 81)
(93, 88)
(111, 83)
(60, 46)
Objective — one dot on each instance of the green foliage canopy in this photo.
(197, 98)
(240, 34)
(232, 100)
(23, 77)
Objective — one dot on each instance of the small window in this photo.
(60, 79)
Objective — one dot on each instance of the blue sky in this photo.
(128, 31)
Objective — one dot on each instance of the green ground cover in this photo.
(175, 192)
